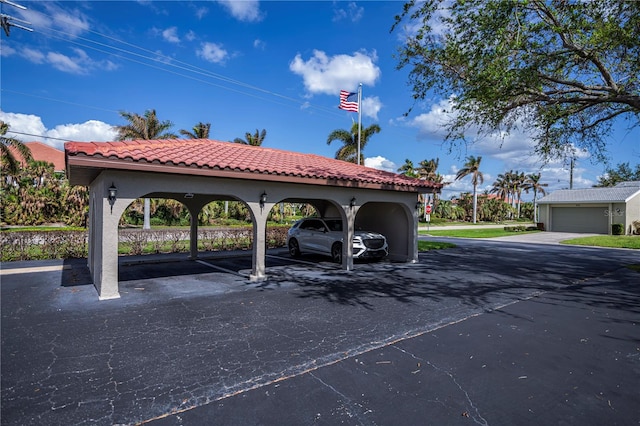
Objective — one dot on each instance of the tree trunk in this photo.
(475, 202)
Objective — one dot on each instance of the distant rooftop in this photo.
(42, 152)
(620, 193)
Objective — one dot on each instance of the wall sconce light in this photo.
(418, 205)
(352, 203)
(113, 192)
(263, 199)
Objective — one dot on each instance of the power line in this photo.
(57, 100)
(170, 65)
(6, 21)
(166, 61)
(40, 136)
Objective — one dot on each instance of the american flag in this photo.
(345, 103)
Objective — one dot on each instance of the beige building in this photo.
(591, 210)
(197, 172)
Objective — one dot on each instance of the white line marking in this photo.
(219, 268)
(34, 269)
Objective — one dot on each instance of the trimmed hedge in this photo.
(40, 245)
(617, 229)
(520, 228)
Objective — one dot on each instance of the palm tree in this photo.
(428, 169)
(146, 127)
(200, 131)
(472, 167)
(501, 187)
(518, 187)
(13, 166)
(532, 182)
(349, 150)
(407, 169)
(254, 140)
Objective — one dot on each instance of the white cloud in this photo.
(7, 50)
(410, 27)
(322, 74)
(381, 163)
(72, 21)
(23, 123)
(352, 12)
(515, 149)
(33, 55)
(29, 124)
(66, 63)
(89, 131)
(201, 12)
(171, 35)
(371, 107)
(79, 63)
(259, 44)
(246, 10)
(501, 152)
(212, 52)
(431, 124)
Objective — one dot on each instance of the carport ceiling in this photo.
(204, 157)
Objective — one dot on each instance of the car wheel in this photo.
(294, 248)
(336, 252)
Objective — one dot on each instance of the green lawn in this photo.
(615, 241)
(474, 233)
(433, 245)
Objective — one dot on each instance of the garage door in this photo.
(579, 219)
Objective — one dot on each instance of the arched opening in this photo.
(394, 221)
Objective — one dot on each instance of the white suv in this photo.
(324, 236)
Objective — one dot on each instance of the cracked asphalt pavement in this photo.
(488, 333)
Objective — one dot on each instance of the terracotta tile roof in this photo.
(209, 157)
(42, 152)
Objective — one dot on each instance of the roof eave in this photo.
(94, 165)
(581, 202)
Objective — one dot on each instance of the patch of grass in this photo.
(614, 241)
(634, 267)
(433, 245)
(474, 233)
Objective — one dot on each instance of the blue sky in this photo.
(242, 66)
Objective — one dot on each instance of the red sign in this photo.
(427, 209)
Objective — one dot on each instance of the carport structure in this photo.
(196, 172)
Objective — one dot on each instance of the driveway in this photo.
(543, 237)
(501, 333)
(534, 238)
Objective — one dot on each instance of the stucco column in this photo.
(413, 235)
(193, 235)
(106, 257)
(347, 247)
(92, 230)
(260, 213)
(610, 217)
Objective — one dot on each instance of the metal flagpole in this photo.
(359, 119)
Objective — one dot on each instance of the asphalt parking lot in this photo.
(490, 332)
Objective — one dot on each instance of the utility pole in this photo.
(571, 172)
(7, 21)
